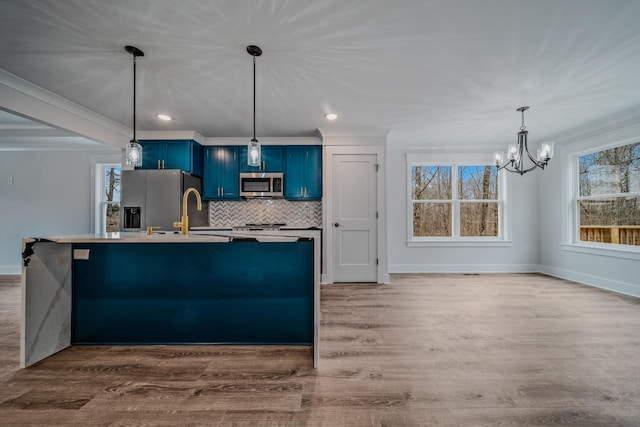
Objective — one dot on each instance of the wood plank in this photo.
(426, 350)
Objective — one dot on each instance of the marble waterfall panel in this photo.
(227, 214)
(46, 299)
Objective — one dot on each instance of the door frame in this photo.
(327, 207)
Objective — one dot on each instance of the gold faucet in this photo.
(184, 224)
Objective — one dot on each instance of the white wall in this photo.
(51, 195)
(520, 256)
(606, 268)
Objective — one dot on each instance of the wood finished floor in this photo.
(427, 350)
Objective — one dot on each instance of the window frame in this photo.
(461, 160)
(572, 235)
(99, 196)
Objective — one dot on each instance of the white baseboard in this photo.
(595, 281)
(464, 268)
(10, 270)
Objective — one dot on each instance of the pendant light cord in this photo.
(254, 99)
(134, 98)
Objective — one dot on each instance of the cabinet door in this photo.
(294, 174)
(210, 179)
(178, 155)
(272, 159)
(220, 173)
(151, 154)
(229, 177)
(313, 172)
(303, 176)
(183, 154)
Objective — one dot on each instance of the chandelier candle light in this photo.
(133, 151)
(253, 149)
(516, 153)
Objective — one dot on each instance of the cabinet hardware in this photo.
(163, 164)
(222, 191)
(158, 164)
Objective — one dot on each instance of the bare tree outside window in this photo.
(473, 206)
(608, 200)
(431, 183)
(112, 199)
(477, 183)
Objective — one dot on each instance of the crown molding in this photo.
(288, 140)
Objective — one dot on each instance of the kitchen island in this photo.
(203, 288)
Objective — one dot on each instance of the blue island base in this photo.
(240, 292)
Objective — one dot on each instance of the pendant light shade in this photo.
(254, 152)
(133, 151)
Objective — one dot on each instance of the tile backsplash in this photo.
(227, 214)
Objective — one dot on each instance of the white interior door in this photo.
(355, 229)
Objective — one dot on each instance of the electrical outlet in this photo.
(10, 180)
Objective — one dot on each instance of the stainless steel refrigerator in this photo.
(154, 198)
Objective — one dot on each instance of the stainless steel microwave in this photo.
(262, 184)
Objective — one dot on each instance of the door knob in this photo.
(336, 225)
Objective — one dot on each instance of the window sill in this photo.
(610, 250)
(459, 243)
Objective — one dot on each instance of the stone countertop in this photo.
(196, 236)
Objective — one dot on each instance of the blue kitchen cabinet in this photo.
(221, 180)
(272, 159)
(184, 154)
(303, 172)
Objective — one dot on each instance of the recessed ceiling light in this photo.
(164, 117)
(331, 116)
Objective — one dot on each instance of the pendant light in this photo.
(516, 153)
(133, 151)
(253, 149)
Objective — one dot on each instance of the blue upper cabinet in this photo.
(272, 159)
(303, 172)
(221, 181)
(183, 154)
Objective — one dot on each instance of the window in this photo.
(454, 202)
(108, 198)
(608, 196)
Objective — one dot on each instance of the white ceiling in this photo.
(433, 73)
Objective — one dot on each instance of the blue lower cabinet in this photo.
(157, 293)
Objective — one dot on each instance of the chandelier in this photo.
(517, 152)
